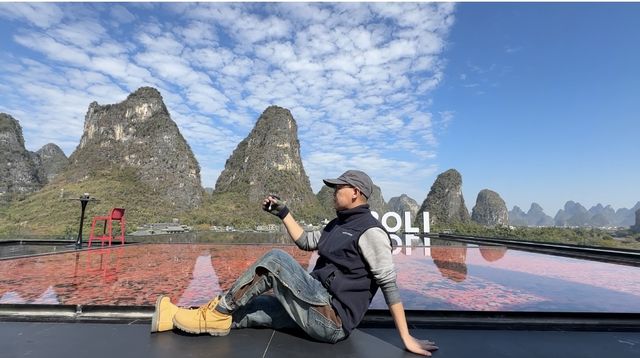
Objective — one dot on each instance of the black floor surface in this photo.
(96, 340)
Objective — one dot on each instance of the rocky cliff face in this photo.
(537, 217)
(625, 217)
(376, 201)
(602, 215)
(534, 217)
(402, 203)
(636, 227)
(325, 199)
(573, 214)
(52, 160)
(268, 161)
(490, 209)
(445, 202)
(517, 217)
(138, 134)
(20, 172)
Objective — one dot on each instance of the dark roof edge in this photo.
(542, 321)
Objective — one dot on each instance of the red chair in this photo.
(117, 214)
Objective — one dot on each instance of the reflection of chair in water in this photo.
(117, 214)
(104, 262)
(492, 253)
(449, 257)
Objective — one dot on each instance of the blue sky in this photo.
(538, 102)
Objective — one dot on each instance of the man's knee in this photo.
(273, 261)
(275, 254)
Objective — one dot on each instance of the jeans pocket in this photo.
(322, 328)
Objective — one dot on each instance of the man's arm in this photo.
(306, 242)
(293, 228)
(376, 249)
(412, 344)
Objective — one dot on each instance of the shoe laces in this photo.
(202, 310)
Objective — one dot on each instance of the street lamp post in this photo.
(84, 200)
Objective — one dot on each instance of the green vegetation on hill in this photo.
(326, 201)
(573, 236)
(234, 209)
(227, 209)
(46, 212)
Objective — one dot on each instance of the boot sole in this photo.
(154, 318)
(213, 332)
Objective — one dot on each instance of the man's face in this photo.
(343, 196)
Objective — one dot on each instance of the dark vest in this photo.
(341, 267)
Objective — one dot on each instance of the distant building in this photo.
(310, 227)
(267, 228)
(162, 228)
(226, 228)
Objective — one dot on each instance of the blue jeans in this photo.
(298, 300)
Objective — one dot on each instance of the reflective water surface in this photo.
(22, 249)
(443, 276)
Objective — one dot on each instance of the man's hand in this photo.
(272, 204)
(422, 347)
(411, 344)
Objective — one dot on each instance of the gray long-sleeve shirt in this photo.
(375, 247)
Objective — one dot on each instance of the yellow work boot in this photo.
(162, 319)
(203, 320)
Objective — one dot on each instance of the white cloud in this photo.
(168, 67)
(345, 63)
(277, 53)
(108, 48)
(513, 49)
(199, 33)
(244, 27)
(78, 34)
(355, 76)
(121, 14)
(210, 58)
(304, 12)
(82, 79)
(38, 14)
(430, 83)
(240, 67)
(162, 44)
(253, 29)
(207, 98)
(446, 117)
(53, 49)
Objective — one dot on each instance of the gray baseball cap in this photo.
(355, 178)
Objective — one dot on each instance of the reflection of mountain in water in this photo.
(204, 283)
(449, 257)
(49, 297)
(492, 253)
